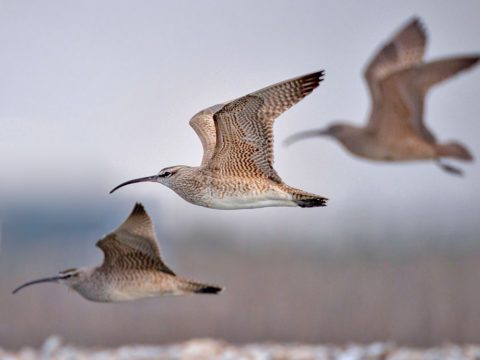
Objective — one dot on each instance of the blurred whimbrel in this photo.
(237, 166)
(399, 80)
(132, 267)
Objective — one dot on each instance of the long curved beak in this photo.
(152, 178)
(39, 281)
(304, 135)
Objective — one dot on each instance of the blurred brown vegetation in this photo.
(285, 292)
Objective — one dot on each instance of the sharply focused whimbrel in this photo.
(237, 166)
(399, 80)
(132, 267)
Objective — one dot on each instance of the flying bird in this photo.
(237, 166)
(399, 81)
(132, 267)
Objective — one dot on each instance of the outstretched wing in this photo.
(415, 82)
(244, 127)
(404, 50)
(427, 75)
(204, 126)
(404, 95)
(282, 96)
(133, 244)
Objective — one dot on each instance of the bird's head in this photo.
(166, 176)
(68, 277)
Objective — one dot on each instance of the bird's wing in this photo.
(280, 97)
(244, 127)
(427, 75)
(204, 126)
(406, 90)
(133, 244)
(404, 50)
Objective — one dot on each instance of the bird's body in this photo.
(237, 166)
(371, 146)
(115, 286)
(132, 268)
(399, 81)
(206, 188)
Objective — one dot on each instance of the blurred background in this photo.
(95, 93)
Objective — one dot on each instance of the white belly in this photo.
(251, 201)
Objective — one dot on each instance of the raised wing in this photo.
(282, 96)
(133, 244)
(404, 94)
(204, 126)
(404, 50)
(244, 127)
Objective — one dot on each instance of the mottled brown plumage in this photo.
(132, 267)
(237, 166)
(399, 80)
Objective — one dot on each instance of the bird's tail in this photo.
(304, 199)
(208, 289)
(453, 150)
(198, 288)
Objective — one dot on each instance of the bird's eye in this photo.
(167, 173)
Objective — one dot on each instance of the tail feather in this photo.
(313, 202)
(197, 288)
(304, 199)
(208, 289)
(454, 150)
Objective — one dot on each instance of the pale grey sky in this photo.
(97, 92)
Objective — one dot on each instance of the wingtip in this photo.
(416, 19)
(417, 22)
(138, 208)
(311, 81)
(468, 61)
(475, 59)
(321, 75)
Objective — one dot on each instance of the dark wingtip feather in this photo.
(474, 59)
(311, 81)
(138, 209)
(418, 23)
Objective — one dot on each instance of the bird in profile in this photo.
(237, 166)
(132, 267)
(399, 81)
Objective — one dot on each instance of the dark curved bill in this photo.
(304, 135)
(39, 281)
(152, 178)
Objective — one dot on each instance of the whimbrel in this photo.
(237, 166)
(132, 267)
(399, 80)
